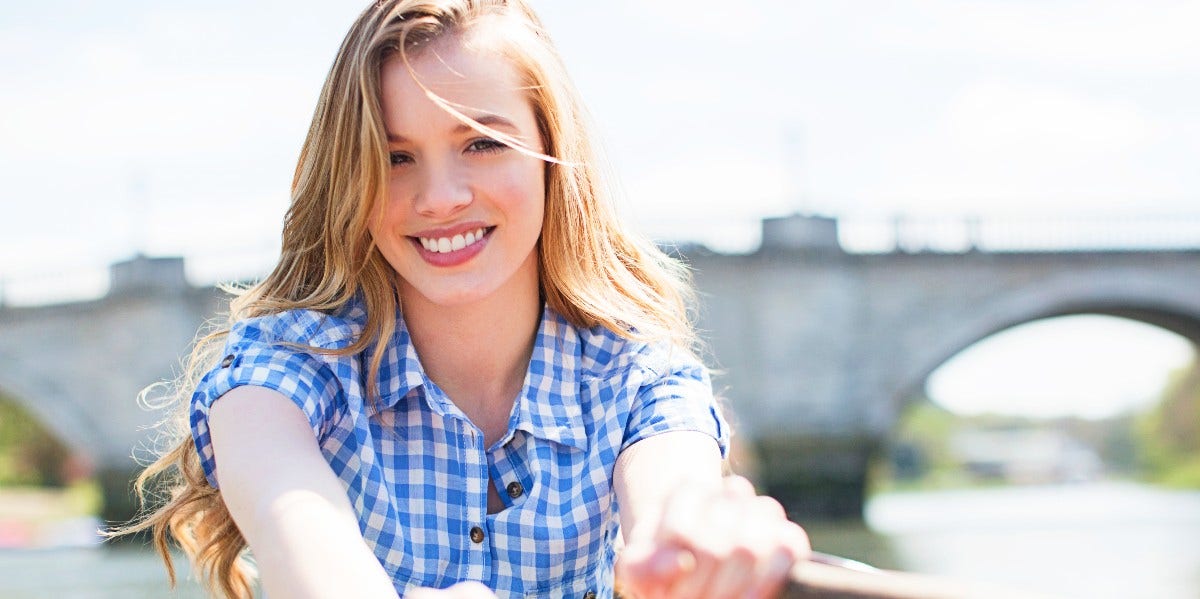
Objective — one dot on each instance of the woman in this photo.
(462, 364)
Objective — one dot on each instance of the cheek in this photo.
(521, 187)
(388, 214)
(533, 183)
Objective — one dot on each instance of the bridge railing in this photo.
(855, 234)
(1019, 234)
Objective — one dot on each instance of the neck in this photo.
(477, 353)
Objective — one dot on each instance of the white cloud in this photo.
(996, 118)
(1001, 146)
(1152, 36)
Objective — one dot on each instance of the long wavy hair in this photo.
(593, 271)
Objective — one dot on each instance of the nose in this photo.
(443, 192)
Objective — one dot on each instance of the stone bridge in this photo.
(819, 348)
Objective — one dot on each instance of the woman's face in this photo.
(463, 211)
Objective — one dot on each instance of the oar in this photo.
(831, 577)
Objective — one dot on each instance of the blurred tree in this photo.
(29, 454)
(918, 453)
(1170, 433)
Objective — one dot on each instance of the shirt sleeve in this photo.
(257, 354)
(679, 400)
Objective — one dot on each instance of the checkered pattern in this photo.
(415, 467)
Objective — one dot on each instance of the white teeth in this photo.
(442, 245)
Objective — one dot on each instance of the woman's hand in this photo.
(462, 590)
(713, 543)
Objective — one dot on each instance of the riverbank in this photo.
(1094, 540)
(48, 518)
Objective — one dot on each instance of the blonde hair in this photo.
(592, 270)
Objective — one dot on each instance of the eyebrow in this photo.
(487, 120)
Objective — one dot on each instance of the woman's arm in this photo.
(690, 533)
(287, 502)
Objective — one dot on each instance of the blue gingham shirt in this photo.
(415, 468)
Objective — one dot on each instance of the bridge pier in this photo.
(817, 478)
(119, 502)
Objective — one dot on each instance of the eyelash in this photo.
(490, 145)
(478, 146)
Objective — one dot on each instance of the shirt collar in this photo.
(549, 404)
(401, 370)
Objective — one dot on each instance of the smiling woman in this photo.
(464, 378)
(450, 180)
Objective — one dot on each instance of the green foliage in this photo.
(1169, 435)
(924, 434)
(29, 455)
(919, 453)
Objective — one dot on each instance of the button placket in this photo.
(475, 470)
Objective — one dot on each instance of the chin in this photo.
(452, 297)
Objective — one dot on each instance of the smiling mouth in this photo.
(445, 245)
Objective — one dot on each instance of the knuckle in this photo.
(768, 505)
(738, 485)
(741, 553)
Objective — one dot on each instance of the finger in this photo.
(709, 525)
(652, 571)
(760, 552)
(789, 547)
(771, 576)
(733, 574)
(696, 582)
(797, 539)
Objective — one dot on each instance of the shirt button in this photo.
(589, 595)
(477, 534)
(227, 361)
(515, 489)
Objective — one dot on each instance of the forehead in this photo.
(471, 78)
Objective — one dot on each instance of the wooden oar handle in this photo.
(814, 580)
(819, 580)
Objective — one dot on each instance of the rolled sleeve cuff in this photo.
(300, 377)
(682, 401)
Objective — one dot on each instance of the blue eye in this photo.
(398, 158)
(487, 145)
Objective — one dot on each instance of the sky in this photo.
(172, 128)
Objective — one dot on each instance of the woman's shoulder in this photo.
(315, 328)
(604, 352)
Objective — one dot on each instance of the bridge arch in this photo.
(1140, 296)
(51, 406)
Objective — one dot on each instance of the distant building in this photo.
(1025, 456)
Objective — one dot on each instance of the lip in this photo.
(456, 257)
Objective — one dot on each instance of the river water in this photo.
(1094, 540)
